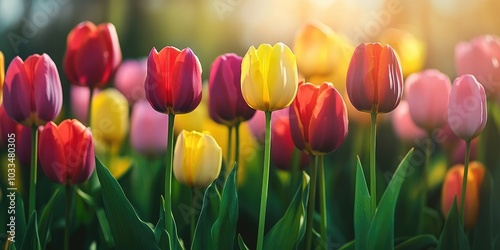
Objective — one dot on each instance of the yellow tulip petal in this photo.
(283, 77)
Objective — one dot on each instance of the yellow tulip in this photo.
(109, 117)
(197, 159)
(269, 77)
(410, 50)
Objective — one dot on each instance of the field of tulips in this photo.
(319, 144)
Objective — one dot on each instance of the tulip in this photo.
(92, 54)
(79, 100)
(452, 186)
(226, 103)
(32, 93)
(282, 146)
(403, 125)
(257, 124)
(2, 73)
(198, 159)
(428, 94)
(130, 78)
(67, 152)
(173, 82)
(318, 119)
(410, 49)
(148, 133)
(8, 127)
(467, 107)
(374, 78)
(481, 58)
(269, 77)
(110, 119)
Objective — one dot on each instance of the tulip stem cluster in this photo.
(34, 151)
(464, 181)
(322, 195)
(373, 173)
(311, 201)
(265, 182)
(168, 175)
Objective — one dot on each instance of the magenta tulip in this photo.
(428, 94)
(129, 79)
(226, 102)
(148, 133)
(467, 108)
(173, 83)
(32, 93)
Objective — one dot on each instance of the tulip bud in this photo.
(480, 57)
(282, 146)
(197, 160)
(452, 186)
(92, 54)
(410, 49)
(269, 77)
(148, 133)
(110, 119)
(374, 78)
(226, 103)
(173, 82)
(403, 125)
(66, 152)
(318, 119)
(467, 108)
(32, 93)
(130, 78)
(428, 94)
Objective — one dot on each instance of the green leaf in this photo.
(162, 238)
(362, 213)
(453, 235)
(129, 231)
(483, 238)
(20, 220)
(241, 243)
(207, 217)
(348, 246)
(291, 227)
(224, 228)
(46, 219)
(381, 233)
(31, 240)
(424, 241)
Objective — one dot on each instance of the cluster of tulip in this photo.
(310, 115)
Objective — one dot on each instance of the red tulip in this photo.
(467, 114)
(318, 118)
(282, 146)
(66, 152)
(32, 92)
(374, 78)
(92, 54)
(428, 94)
(173, 83)
(226, 103)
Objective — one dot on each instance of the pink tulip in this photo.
(129, 79)
(257, 124)
(148, 133)
(403, 125)
(480, 57)
(458, 154)
(467, 108)
(80, 102)
(427, 94)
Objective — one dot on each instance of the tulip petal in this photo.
(18, 92)
(252, 86)
(51, 153)
(209, 161)
(90, 62)
(282, 77)
(186, 82)
(47, 90)
(76, 38)
(109, 39)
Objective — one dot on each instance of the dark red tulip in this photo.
(173, 83)
(92, 54)
(374, 78)
(66, 152)
(318, 118)
(226, 103)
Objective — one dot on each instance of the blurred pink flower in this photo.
(129, 79)
(257, 124)
(403, 125)
(80, 102)
(458, 154)
(148, 133)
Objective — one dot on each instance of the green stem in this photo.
(34, 160)
(464, 181)
(237, 150)
(67, 227)
(89, 110)
(168, 175)
(373, 173)
(311, 201)
(265, 182)
(322, 196)
(229, 141)
(193, 215)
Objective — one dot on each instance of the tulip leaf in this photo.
(206, 219)
(162, 238)
(483, 238)
(224, 228)
(349, 245)
(46, 219)
(381, 233)
(31, 240)
(423, 241)
(290, 229)
(129, 231)
(362, 212)
(20, 220)
(241, 243)
(101, 217)
(453, 235)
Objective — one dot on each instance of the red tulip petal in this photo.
(186, 82)
(51, 154)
